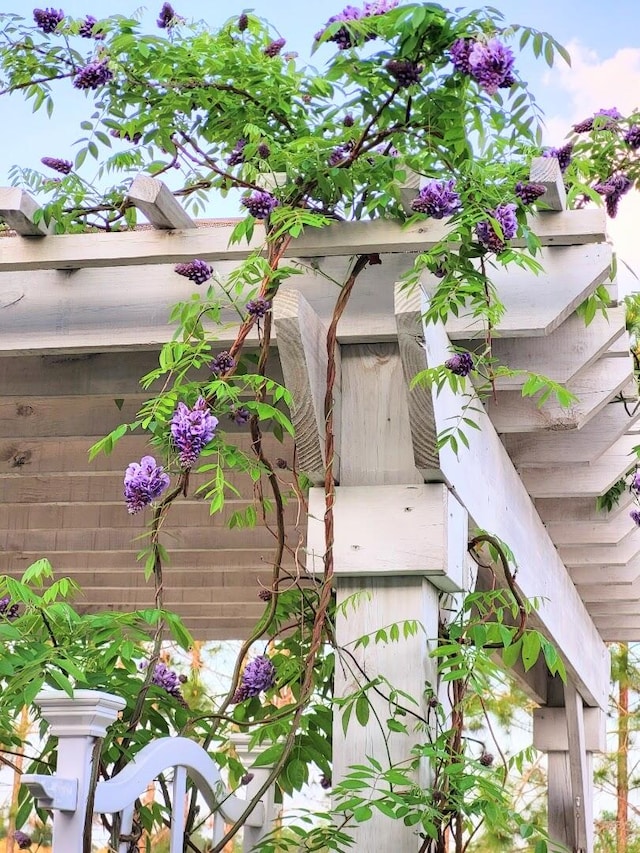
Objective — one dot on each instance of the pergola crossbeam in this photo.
(155, 200)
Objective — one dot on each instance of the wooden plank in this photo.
(536, 305)
(17, 209)
(580, 509)
(487, 484)
(132, 248)
(614, 634)
(408, 314)
(158, 204)
(576, 447)
(605, 574)
(579, 769)
(560, 355)
(593, 594)
(302, 349)
(618, 607)
(233, 562)
(586, 533)
(550, 729)
(594, 387)
(594, 480)
(96, 310)
(546, 171)
(610, 555)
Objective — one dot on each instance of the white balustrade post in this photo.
(77, 722)
(253, 834)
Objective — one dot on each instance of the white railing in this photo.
(79, 721)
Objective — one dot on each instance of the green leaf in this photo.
(362, 709)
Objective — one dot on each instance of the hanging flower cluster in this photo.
(48, 19)
(489, 63)
(237, 156)
(505, 215)
(7, 609)
(437, 199)
(222, 363)
(461, 363)
(192, 430)
(342, 37)
(260, 203)
(168, 18)
(259, 675)
(404, 71)
(529, 193)
(613, 189)
(93, 75)
(144, 482)
(22, 839)
(87, 31)
(258, 307)
(588, 124)
(632, 136)
(274, 47)
(197, 271)
(58, 165)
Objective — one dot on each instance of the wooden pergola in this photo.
(82, 318)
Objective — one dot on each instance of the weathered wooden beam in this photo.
(559, 481)
(615, 634)
(546, 171)
(487, 484)
(155, 200)
(302, 348)
(598, 555)
(601, 574)
(569, 348)
(408, 314)
(535, 305)
(580, 509)
(594, 387)
(575, 447)
(17, 209)
(618, 607)
(586, 533)
(75, 251)
(594, 594)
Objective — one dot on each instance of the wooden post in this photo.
(377, 454)
(78, 722)
(570, 735)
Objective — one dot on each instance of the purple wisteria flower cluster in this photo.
(613, 189)
(48, 19)
(530, 192)
(632, 136)
(93, 75)
(260, 203)
(243, 22)
(237, 156)
(222, 363)
(505, 216)
(168, 18)
(7, 610)
(263, 151)
(144, 482)
(167, 679)
(22, 839)
(259, 675)
(461, 363)
(489, 63)
(58, 165)
(192, 430)
(240, 416)
(635, 515)
(258, 307)
(340, 153)
(404, 71)
(563, 155)
(86, 30)
(342, 37)
(274, 47)
(612, 115)
(437, 199)
(197, 271)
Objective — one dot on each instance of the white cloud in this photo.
(590, 84)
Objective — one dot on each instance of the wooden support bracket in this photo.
(302, 349)
(17, 209)
(156, 201)
(393, 531)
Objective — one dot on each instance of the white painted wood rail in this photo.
(79, 721)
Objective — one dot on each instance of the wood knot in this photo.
(20, 458)
(24, 410)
